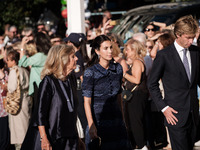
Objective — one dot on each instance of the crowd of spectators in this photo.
(28, 51)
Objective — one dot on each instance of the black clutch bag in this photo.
(95, 144)
(127, 94)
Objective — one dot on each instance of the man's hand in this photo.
(171, 119)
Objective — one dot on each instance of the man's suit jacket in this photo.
(180, 94)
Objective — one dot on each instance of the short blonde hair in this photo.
(57, 59)
(185, 25)
(137, 46)
(30, 49)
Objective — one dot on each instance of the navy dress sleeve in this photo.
(120, 72)
(88, 83)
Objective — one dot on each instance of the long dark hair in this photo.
(43, 43)
(83, 51)
(96, 44)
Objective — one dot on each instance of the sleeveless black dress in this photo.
(135, 110)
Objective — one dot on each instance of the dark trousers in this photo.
(4, 133)
(35, 102)
(155, 128)
(35, 96)
(65, 144)
(198, 131)
(183, 138)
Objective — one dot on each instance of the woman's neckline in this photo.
(107, 66)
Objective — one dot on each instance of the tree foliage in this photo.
(14, 11)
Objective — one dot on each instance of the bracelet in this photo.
(21, 49)
(41, 137)
(124, 74)
(156, 43)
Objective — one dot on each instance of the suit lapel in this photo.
(193, 64)
(177, 61)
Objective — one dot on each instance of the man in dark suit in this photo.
(178, 68)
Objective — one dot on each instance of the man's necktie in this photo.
(185, 63)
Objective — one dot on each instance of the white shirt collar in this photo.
(178, 47)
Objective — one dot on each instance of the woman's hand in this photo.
(93, 131)
(25, 40)
(106, 26)
(45, 145)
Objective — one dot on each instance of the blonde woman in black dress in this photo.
(135, 108)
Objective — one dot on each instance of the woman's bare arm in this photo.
(88, 112)
(136, 70)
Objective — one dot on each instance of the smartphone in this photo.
(113, 22)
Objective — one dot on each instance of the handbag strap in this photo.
(126, 82)
(18, 78)
(134, 88)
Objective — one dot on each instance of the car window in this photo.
(137, 19)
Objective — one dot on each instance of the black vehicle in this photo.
(137, 19)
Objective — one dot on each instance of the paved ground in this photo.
(195, 148)
(169, 146)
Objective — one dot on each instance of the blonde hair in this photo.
(185, 25)
(17, 45)
(116, 50)
(151, 41)
(30, 49)
(137, 46)
(57, 59)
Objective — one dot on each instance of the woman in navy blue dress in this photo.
(102, 98)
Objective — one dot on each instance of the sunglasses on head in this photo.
(150, 30)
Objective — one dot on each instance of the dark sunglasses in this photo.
(56, 41)
(150, 30)
(150, 47)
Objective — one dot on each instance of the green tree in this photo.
(14, 11)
